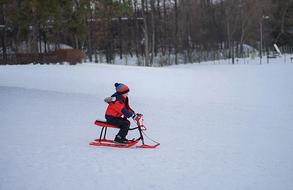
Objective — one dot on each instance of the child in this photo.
(119, 110)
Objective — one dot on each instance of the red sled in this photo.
(103, 141)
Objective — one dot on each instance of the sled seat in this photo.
(104, 124)
(103, 132)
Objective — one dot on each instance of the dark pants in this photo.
(122, 123)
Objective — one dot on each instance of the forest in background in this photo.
(154, 31)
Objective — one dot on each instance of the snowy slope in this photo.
(220, 127)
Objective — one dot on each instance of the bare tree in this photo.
(153, 27)
(3, 32)
(144, 4)
(176, 31)
(283, 11)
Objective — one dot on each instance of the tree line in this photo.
(163, 31)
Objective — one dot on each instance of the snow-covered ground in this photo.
(221, 127)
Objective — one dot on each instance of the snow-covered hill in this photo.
(220, 127)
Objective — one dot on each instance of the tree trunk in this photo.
(287, 5)
(145, 32)
(135, 23)
(34, 42)
(3, 34)
(153, 31)
(120, 34)
(90, 36)
(176, 32)
(164, 43)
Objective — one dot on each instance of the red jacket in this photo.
(119, 107)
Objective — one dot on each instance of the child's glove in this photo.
(136, 116)
(109, 99)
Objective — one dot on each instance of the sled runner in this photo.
(103, 141)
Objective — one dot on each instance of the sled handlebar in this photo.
(139, 122)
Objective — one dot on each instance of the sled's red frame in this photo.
(103, 141)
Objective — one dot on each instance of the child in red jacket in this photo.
(119, 110)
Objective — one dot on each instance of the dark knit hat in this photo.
(121, 88)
